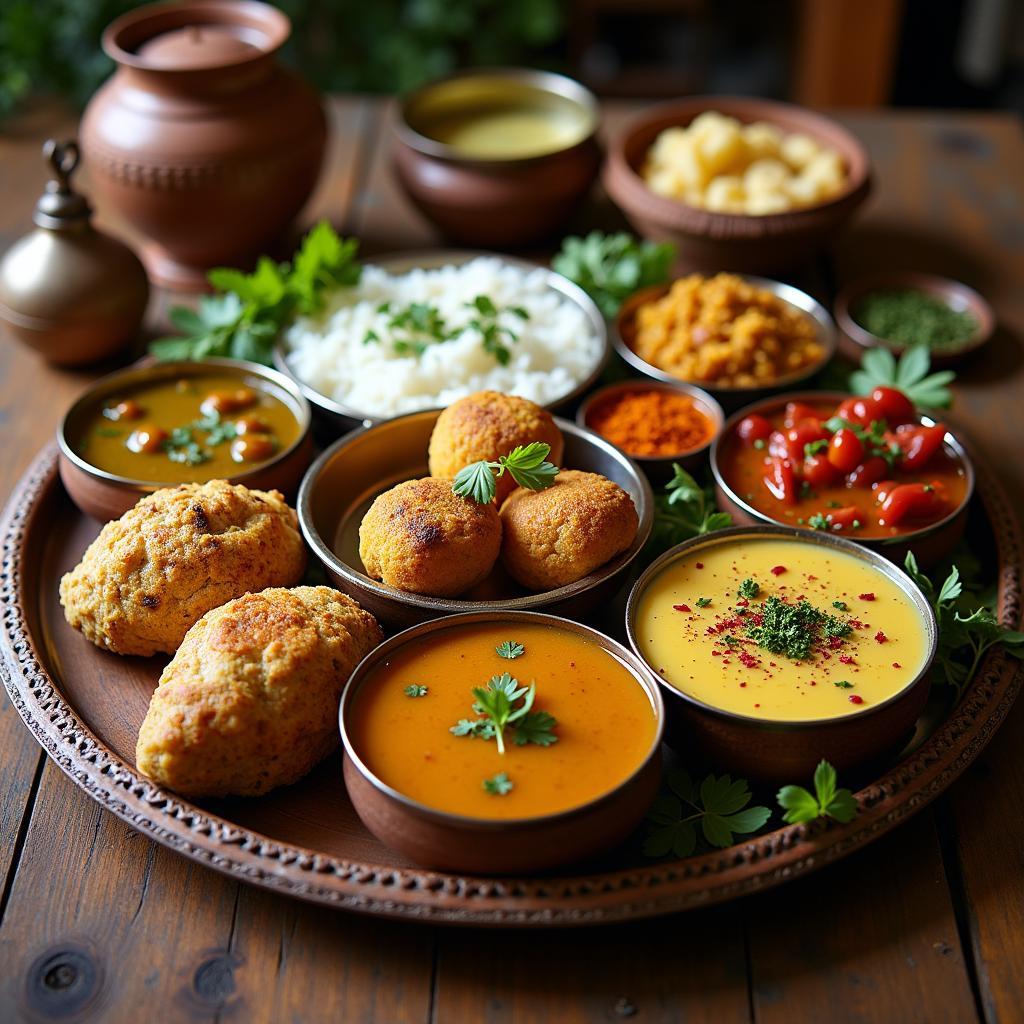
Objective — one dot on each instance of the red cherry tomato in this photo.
(862, 411)
(777, 445)
(883, 489)
(803, 434)
(894, 406)
(780, 480)
(845, 450)
(754, 428)
(797, 412)
(919, 444)
(843, 519)
(869, 472)
(917, 502)
(818, 471)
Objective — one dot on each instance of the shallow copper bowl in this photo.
(659, 467)
(778, 752)
(106, 496)
(344, 480)
(438, 839)
(709, 240)
(496, 202)
(930, 543)
(730, 397)
(336, 415)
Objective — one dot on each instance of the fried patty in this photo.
(179, 552)
(559, 535)
(485, 425)
(423, 538)
(250, 701)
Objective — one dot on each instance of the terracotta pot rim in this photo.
(636, 666)
(878, 544)
(125, 33)
(874, 558)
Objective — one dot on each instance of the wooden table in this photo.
(98, 923)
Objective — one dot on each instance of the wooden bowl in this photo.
(779, 752)
(502, 202)
(954, 294)
(730, 398)
(336, 416)
(454, 842)
(930, 543)
(711, 241)
(106, 496)
(659, 468)
(343, 482)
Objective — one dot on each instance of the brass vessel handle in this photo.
(63, 159)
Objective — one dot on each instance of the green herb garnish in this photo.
(503, 703)
(843, 684)
(749, 589)
(609, 268)
(719, 804)
(414, 690)
(703, 602)
(190, 453)
(825, 802)
(525, 464)
(499, 785)
(510, 649)
(910, 375)
(686, 510)
(794, 629)
(243, 322)
(818, 521)
(492, 333)
(841, 606)
(218, 430)
(815, 447)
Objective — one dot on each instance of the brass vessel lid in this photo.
(60, 207)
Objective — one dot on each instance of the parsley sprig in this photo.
(492, 333)
(244, 320)
(718, 805)
(825, 802)
(499, 785)
(685, 510)
(510, 649)
(526, 464)
(909, 374)
(503, 703)
(965, 632)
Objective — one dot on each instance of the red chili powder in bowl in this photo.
(651, 424)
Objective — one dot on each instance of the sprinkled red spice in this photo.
(813, 683)
(855, 698)
(743, 684)
(681, 607)
(742, 603)
(757, 705)
(846, 659)
(698, 565)
(748, 660)
(866, 597)
(778, 570)
(881, 637)
(896, 664)
(716, 654)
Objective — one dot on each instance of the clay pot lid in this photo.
(196, 35)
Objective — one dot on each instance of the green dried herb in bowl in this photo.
(907, 316)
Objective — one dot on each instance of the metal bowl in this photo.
(730, 397)
(338, 415)
(774, 751)
(106, 496)
(438, 839)
(930, 543)
(345, 479)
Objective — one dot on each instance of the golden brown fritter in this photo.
(178, 553)
(422, 537)
(487, 424)
(559, 535)
(250, 701)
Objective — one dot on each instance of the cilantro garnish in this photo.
(749, 589)
(825, 802)
(843, 684)
(499, 785)
(686, 510)
(879, 367)
(719, 804)
(818, 521)
(841, 606)
(510, 649)
(414, 690)
(492, 333)
(815, 447)
(793, 629)
(525, 464)
(496, 706)
(703, 602)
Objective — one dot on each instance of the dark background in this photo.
(864, 53)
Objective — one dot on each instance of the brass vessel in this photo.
(72, 293)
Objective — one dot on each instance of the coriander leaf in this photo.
(188, 321)
(415, 690)
(481, 728)
(171, 349)
(510, 649)
(503, 702)
(829, 802)
(749, 589)
(498, 785)
(527, 466)
(825, 782)
(703, 602)
(678, 838)
(910, 375)
(798, 804)
(535, 727)
(475, 481)
(912, 366)
(682, 511)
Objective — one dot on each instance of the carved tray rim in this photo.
(413, 894)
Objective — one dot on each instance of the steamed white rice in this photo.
(556, 348)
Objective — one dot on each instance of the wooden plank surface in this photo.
(96, 913)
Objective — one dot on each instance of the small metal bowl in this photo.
(730, 397)
(957, 296)
(339, 416)
(343, 482)
(106, 496)
(930, 543)
(774, 751)
(659, 468)
(453, 842)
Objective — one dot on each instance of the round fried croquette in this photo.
(423, 538)
(558, 535)
(150, 575)
(250, 701)
(486, 425)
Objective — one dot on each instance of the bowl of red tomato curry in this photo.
(870, 468)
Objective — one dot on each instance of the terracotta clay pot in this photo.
(200, 140)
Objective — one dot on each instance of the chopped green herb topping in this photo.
(415, 691)
(749, 589)
(499, 785)
(841, 606)
(843, 684)
(510, 649)
(794, 629)
(703, 602)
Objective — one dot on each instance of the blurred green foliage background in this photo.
(53, 46)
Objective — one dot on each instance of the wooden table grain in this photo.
(98, 923)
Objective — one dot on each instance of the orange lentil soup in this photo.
(605, 721)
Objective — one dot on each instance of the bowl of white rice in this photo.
(421, 330)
